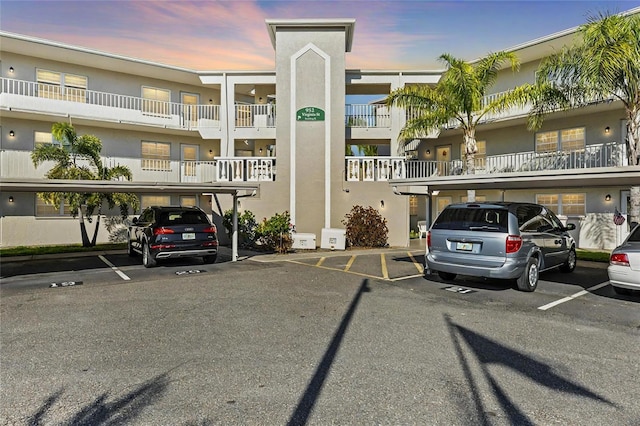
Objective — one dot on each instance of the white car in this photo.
(624, 264)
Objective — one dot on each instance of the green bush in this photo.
(246, 226)
(275, 233)
(366, 227)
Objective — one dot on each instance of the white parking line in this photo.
(573, 296)
(115, 268)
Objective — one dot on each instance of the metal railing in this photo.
(591, 156)
(189, 116)
(18, 165)
(367, 115)
(255, 115)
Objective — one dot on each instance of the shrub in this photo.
(275, 233)
(366, 227)
(246, 226)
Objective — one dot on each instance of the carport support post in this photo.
(234, 233)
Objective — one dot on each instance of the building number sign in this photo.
(310, 114)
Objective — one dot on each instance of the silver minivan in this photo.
(503, 240)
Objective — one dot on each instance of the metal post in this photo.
(234, 233)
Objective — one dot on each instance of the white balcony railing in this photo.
(591, 156)
(255, 115)
(109, 106)
(18, 165)
(367, 115)
(375, 168)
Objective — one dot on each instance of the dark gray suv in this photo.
(504, 240)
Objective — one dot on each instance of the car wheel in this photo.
(147, 260)
(528, 281)
(447, 276)
(570, 264)
(621, 290)
(210, 259)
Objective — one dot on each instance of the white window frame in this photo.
(563, 203)
(148, 200)
(63, 211)
(61, 85)
(155, 162)
(561, 139)
(156, 101)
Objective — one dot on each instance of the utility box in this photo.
(333, 239)
(304, 241)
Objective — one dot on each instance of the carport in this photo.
(570, 178)
(235, 189)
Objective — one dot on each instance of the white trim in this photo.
(327, 133)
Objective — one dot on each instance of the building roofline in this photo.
(348, 24)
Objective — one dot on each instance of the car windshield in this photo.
(473, 219)
(181, 217)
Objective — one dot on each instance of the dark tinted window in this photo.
(181, 217)
(474, 219)
(635, 235)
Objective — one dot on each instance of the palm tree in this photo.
(457, 99)
(78, 158)
(604, 65)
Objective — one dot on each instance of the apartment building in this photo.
(285, 140)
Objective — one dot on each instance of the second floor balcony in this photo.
(17, 164)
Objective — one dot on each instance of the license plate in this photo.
(189, 236)
(464, 246)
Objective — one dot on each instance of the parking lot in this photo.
(354, 337)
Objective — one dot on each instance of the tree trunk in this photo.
(633, 151)
(95, 230)
(83, 229)
(470, 149)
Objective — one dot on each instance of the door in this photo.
(190, 103)
(189, 163)
(443, 158)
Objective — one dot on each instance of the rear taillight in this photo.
(514, 242)
(210, 230)
(619, 259)
(162, 230)
(429, 240)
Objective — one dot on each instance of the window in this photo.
(561, 140)
(188, 201)
(155, 101)
(479, 198)
(47, 210)
(156, 156)
(57, 85)
(441, 203)
(41, 138)
(480, 156)
(564, 204)
(154, 200)
(413, 205)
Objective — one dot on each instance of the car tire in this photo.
(147, 259)
(570, 264)
(621, 290)
(528, 281)
(447, 276)
(210, 259)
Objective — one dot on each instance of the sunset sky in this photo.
(231, 34)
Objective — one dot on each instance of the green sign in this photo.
(310, 114)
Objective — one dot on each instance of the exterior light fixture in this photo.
(11, 198)
(260, 150)
(382, 204)
(11, 70)
(427, 151)
(210, 152)
(607, 129)
(12, 133)
(607, 197)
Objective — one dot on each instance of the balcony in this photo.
(18, 165)
(386, 168)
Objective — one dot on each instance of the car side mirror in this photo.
(134, 220)
(570, 227)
